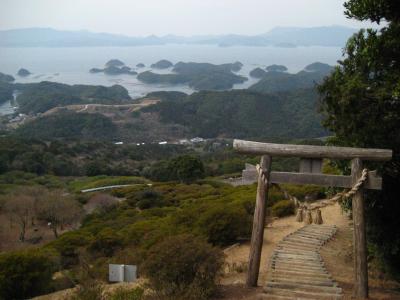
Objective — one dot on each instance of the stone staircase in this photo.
(296, 269)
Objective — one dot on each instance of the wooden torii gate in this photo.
(310, 173)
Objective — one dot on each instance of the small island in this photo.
(114, 67)
(162, 64)
(23, 72)
(199, 76)
(140, 65)
(258, 73)
(318, 67)
(114, 63)
(276, 68)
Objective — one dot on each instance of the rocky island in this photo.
(200, 76)
(276, 68)
(140, 65)
(318, 67)
(114, 63)
(162, 64)
(114, 67)
(23, 72)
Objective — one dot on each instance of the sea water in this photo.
(71, 65)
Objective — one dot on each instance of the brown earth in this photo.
(105, 109)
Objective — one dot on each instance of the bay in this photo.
(72, 65)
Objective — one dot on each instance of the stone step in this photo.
(296, 269)
(301, 262)
(298, 239)
(279, 254)
(304, 287)
(302, 280)
(308, 274)
(279, 264)
(305, 247)
(301, 294)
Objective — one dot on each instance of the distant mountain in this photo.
(279, 37)
(312, 36)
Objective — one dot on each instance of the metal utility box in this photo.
(122, 273)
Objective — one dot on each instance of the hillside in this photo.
(40, 97)
(229, 114)
(272, 81)
(244, 114)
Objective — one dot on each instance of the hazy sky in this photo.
(183, 17)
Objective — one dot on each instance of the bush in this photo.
(126, 294)
(183, 267)
(283, 208)
(25, 274)
(223, 225)
(146, 199)
(106, 242)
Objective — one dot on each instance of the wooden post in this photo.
(257, 236)
(359, 235)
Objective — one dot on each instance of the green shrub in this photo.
(68, 245)
(305, 191)
(183, 267)
(126, 294)
(106, 242)
(283, 208)
(25, 274)
(222, 225)
(145, 199)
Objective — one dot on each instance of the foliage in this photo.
(162, 64)
(276, 68)
(183, 267)
(200, 76)
(76, 157)
(360, 102)
(283, 208)
(278, 81)
(126, 294)
(257, 73)
(6, 91)
(223, 224)
(183, 168)
(6, 78)
(68, 125)
(40, 97)
(244, 114)
(25, 274)
(107, 242)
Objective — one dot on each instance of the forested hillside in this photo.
(40, 97)
(272, 82)
(245, 114)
